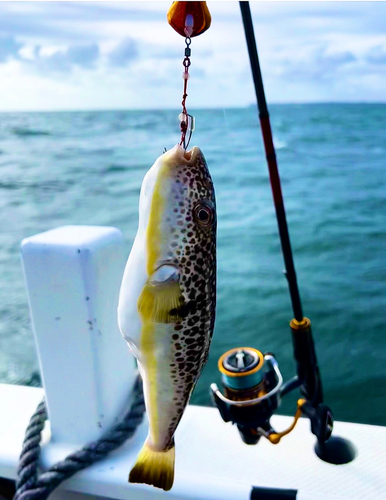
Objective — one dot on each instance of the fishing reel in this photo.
(251, 384)
(252, 390)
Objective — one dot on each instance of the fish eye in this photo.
(203, 214)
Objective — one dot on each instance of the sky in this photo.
(124, 55)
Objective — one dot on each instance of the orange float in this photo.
(189, 19)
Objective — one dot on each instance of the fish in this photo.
(167, 300)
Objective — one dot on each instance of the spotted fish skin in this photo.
(167, 301)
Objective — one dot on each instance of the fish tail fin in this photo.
(154, 467)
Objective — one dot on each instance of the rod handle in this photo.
(306, 362)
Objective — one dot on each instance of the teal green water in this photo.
(87, 168)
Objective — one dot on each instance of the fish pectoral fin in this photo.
(165, 272)
(161, 302)
(154, 467)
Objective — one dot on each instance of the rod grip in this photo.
(307, 365)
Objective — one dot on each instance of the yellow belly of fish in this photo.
(156, 347)
(155, 462)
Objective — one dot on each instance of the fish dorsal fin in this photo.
(161, 301)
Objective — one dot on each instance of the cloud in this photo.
(84, 55)
(315, 63)
(125, 53)
(338, 58)
(163, 51)
(73, 53)
(9, 49)
(376, 55)
(70, 21)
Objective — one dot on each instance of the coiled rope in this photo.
(31, 486)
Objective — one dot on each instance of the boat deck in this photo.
(211, 460)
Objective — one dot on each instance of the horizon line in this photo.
(99, 110)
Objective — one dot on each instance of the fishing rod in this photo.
(272, 163)
(252, 383)
(304, 350)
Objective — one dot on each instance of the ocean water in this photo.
(87, 168)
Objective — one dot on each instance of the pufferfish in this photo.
(167, 300)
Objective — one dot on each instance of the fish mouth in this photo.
(188, 154)
(180, 156)
(188, 157)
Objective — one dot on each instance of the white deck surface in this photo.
(211, 460)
